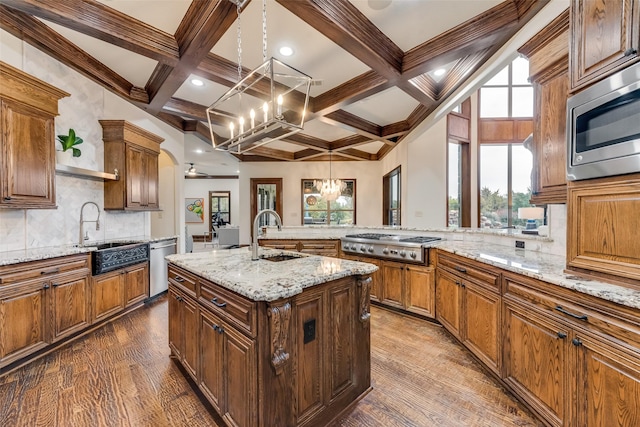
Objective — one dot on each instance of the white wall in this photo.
(22, 229)
(164, 222)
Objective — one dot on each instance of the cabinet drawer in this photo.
(621, 324)
(43, 269)
(289, 245)
(468, 269)
(232, 307)
(320, 247)
(183, 279)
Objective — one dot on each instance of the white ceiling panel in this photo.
(324, 131)
(314, 54)
(371, 148)
(203, 95)
(164, 15)
(208, 160)
(421, 20)
(135, 68)
(384, 108)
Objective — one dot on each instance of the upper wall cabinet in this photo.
(548, 54)
(134, 152)
(27, 159)
(605, 37)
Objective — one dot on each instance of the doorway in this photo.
(266, 193)
(220, 210)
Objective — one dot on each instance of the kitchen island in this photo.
(281, 341)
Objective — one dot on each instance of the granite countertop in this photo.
(542, 266)
(264, 280)
(35, 254)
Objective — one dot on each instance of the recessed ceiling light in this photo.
(197, 82)
(286, 51)
(439, 72)
(379, 4)
(199, 151)
(237, 171)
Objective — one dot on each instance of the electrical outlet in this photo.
(309, 328)
(519, 244)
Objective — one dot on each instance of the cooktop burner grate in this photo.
(370, 236)
(420, 239)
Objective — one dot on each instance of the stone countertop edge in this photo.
(37, 254)
(545, 267)
(264, 280)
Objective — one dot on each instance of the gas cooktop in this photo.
(391, 246)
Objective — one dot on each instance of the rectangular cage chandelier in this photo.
(267, 105)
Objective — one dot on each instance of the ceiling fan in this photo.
(192, 171)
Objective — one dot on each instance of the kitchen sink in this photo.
(281, 257)
(115, 255)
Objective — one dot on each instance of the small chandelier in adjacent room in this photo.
(330, 189)
(269, 104)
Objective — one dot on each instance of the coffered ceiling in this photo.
(373, 60)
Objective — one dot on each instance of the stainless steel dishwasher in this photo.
(158, 280)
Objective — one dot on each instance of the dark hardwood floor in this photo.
(121, 375)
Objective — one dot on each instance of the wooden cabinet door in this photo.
(136, 177)
(190, 340)
(376, 279)
(420, 290)
(448, 301)
(604, 38)
(136, 281)
(481, 324)
(211, 362)
(70, 305)
(536, 357)
(341, 339)
(27, 164)
(550, 145)
(392, 283)
(608, 384)
(240, 397)
(108, 295)
(176, 336)
(23, 320)
(151, 182)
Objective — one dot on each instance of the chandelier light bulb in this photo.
(280, 101)
(231, 127)
(265, 109)
(252, 115)
(241, 122)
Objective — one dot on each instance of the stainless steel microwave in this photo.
(603, 127)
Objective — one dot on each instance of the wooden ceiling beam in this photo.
(104, 23)
(349, 142)
(200, 29)
(308, 154)
(345, 25)
(359, 87)
(185, 108)
(308, 141)
(36, 33)
(352, 153)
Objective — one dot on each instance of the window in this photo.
(219, 208)
(391, 197)
(506, 106)
(317, 210)
(455, 187)
(508, 93)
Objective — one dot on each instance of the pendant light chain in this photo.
(239, 31)
(264, 30)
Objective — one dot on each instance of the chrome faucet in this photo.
(254, 245)
(82, 221)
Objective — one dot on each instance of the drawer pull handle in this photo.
(562, 335)
(576, 342)
(179, 279)
(7, 198)
(218, 304)
(460, 269)
(55, 285)
(458, 283)
(50, 271)
(568, 313)
(630, 51)
(46, 286)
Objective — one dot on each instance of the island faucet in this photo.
(82, 221)
(254, 245)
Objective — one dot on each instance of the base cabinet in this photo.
(42, 303)
(408, 286)
(117, 290)
(183, 329)
(468, 304)
(323, 247)
(376, 277)
(575, 362)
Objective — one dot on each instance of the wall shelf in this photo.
(86, 173)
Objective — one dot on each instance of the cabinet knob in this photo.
(562, 335)
(630, 51)
(55, 285)
(46, 286)
(7, 198)
(458, 283)
(576, 342)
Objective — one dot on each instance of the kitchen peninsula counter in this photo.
(272, 343)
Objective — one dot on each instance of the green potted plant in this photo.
(69, 142)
